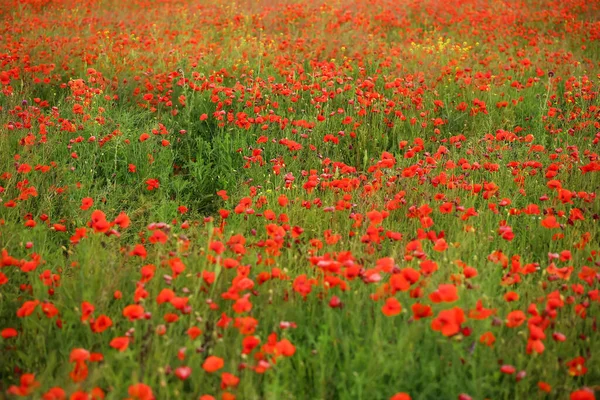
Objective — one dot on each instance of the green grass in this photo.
(274, 71)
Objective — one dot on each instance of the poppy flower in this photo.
(158, 236)
(440, 245)
(582, 394)
(401, 396)
(213, 364)
(481, 312)
(8, 333)
(550, 222)
(122, 220)
(544, 387)
(508, 369)
(27, 308)
(55, 393)
(421, 311)
(86, 203)
(120, 343)
(79, 372)
(249, 343)
(285, 348)
(448, 322)
(133, 312)
(391, 307)
(182, 373)
(140, 391)
(194, 332)
(515, 318)
(27, 384)
(577, 366)
(139, 250)
(152, 184)
(445, 293)
(399, 283)
(101, 324)
(242, 304)
(487, 338)
(87, 309)
(229, 380)
(511, 296)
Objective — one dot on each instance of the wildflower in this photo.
(212, 364)
(448, 322)
(391, 308)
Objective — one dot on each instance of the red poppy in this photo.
(508, 369)
(445, 293)
(401, 396)
(550, 222)
(86, 203)
(391, 307)
(229, 380)
(583, 394)
(421, 311)
(448, 322)
(213, 364)
(120, 343)
(577, 366)
(515, 318)
(140, 391)
(133, 312)
(8, 333)
(487, 338)
(101, 324)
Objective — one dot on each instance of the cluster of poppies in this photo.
(196, 197)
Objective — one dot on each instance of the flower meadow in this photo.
(350, 199)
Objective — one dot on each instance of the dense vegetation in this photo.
(299, 200)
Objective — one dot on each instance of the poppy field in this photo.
(346, 199)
